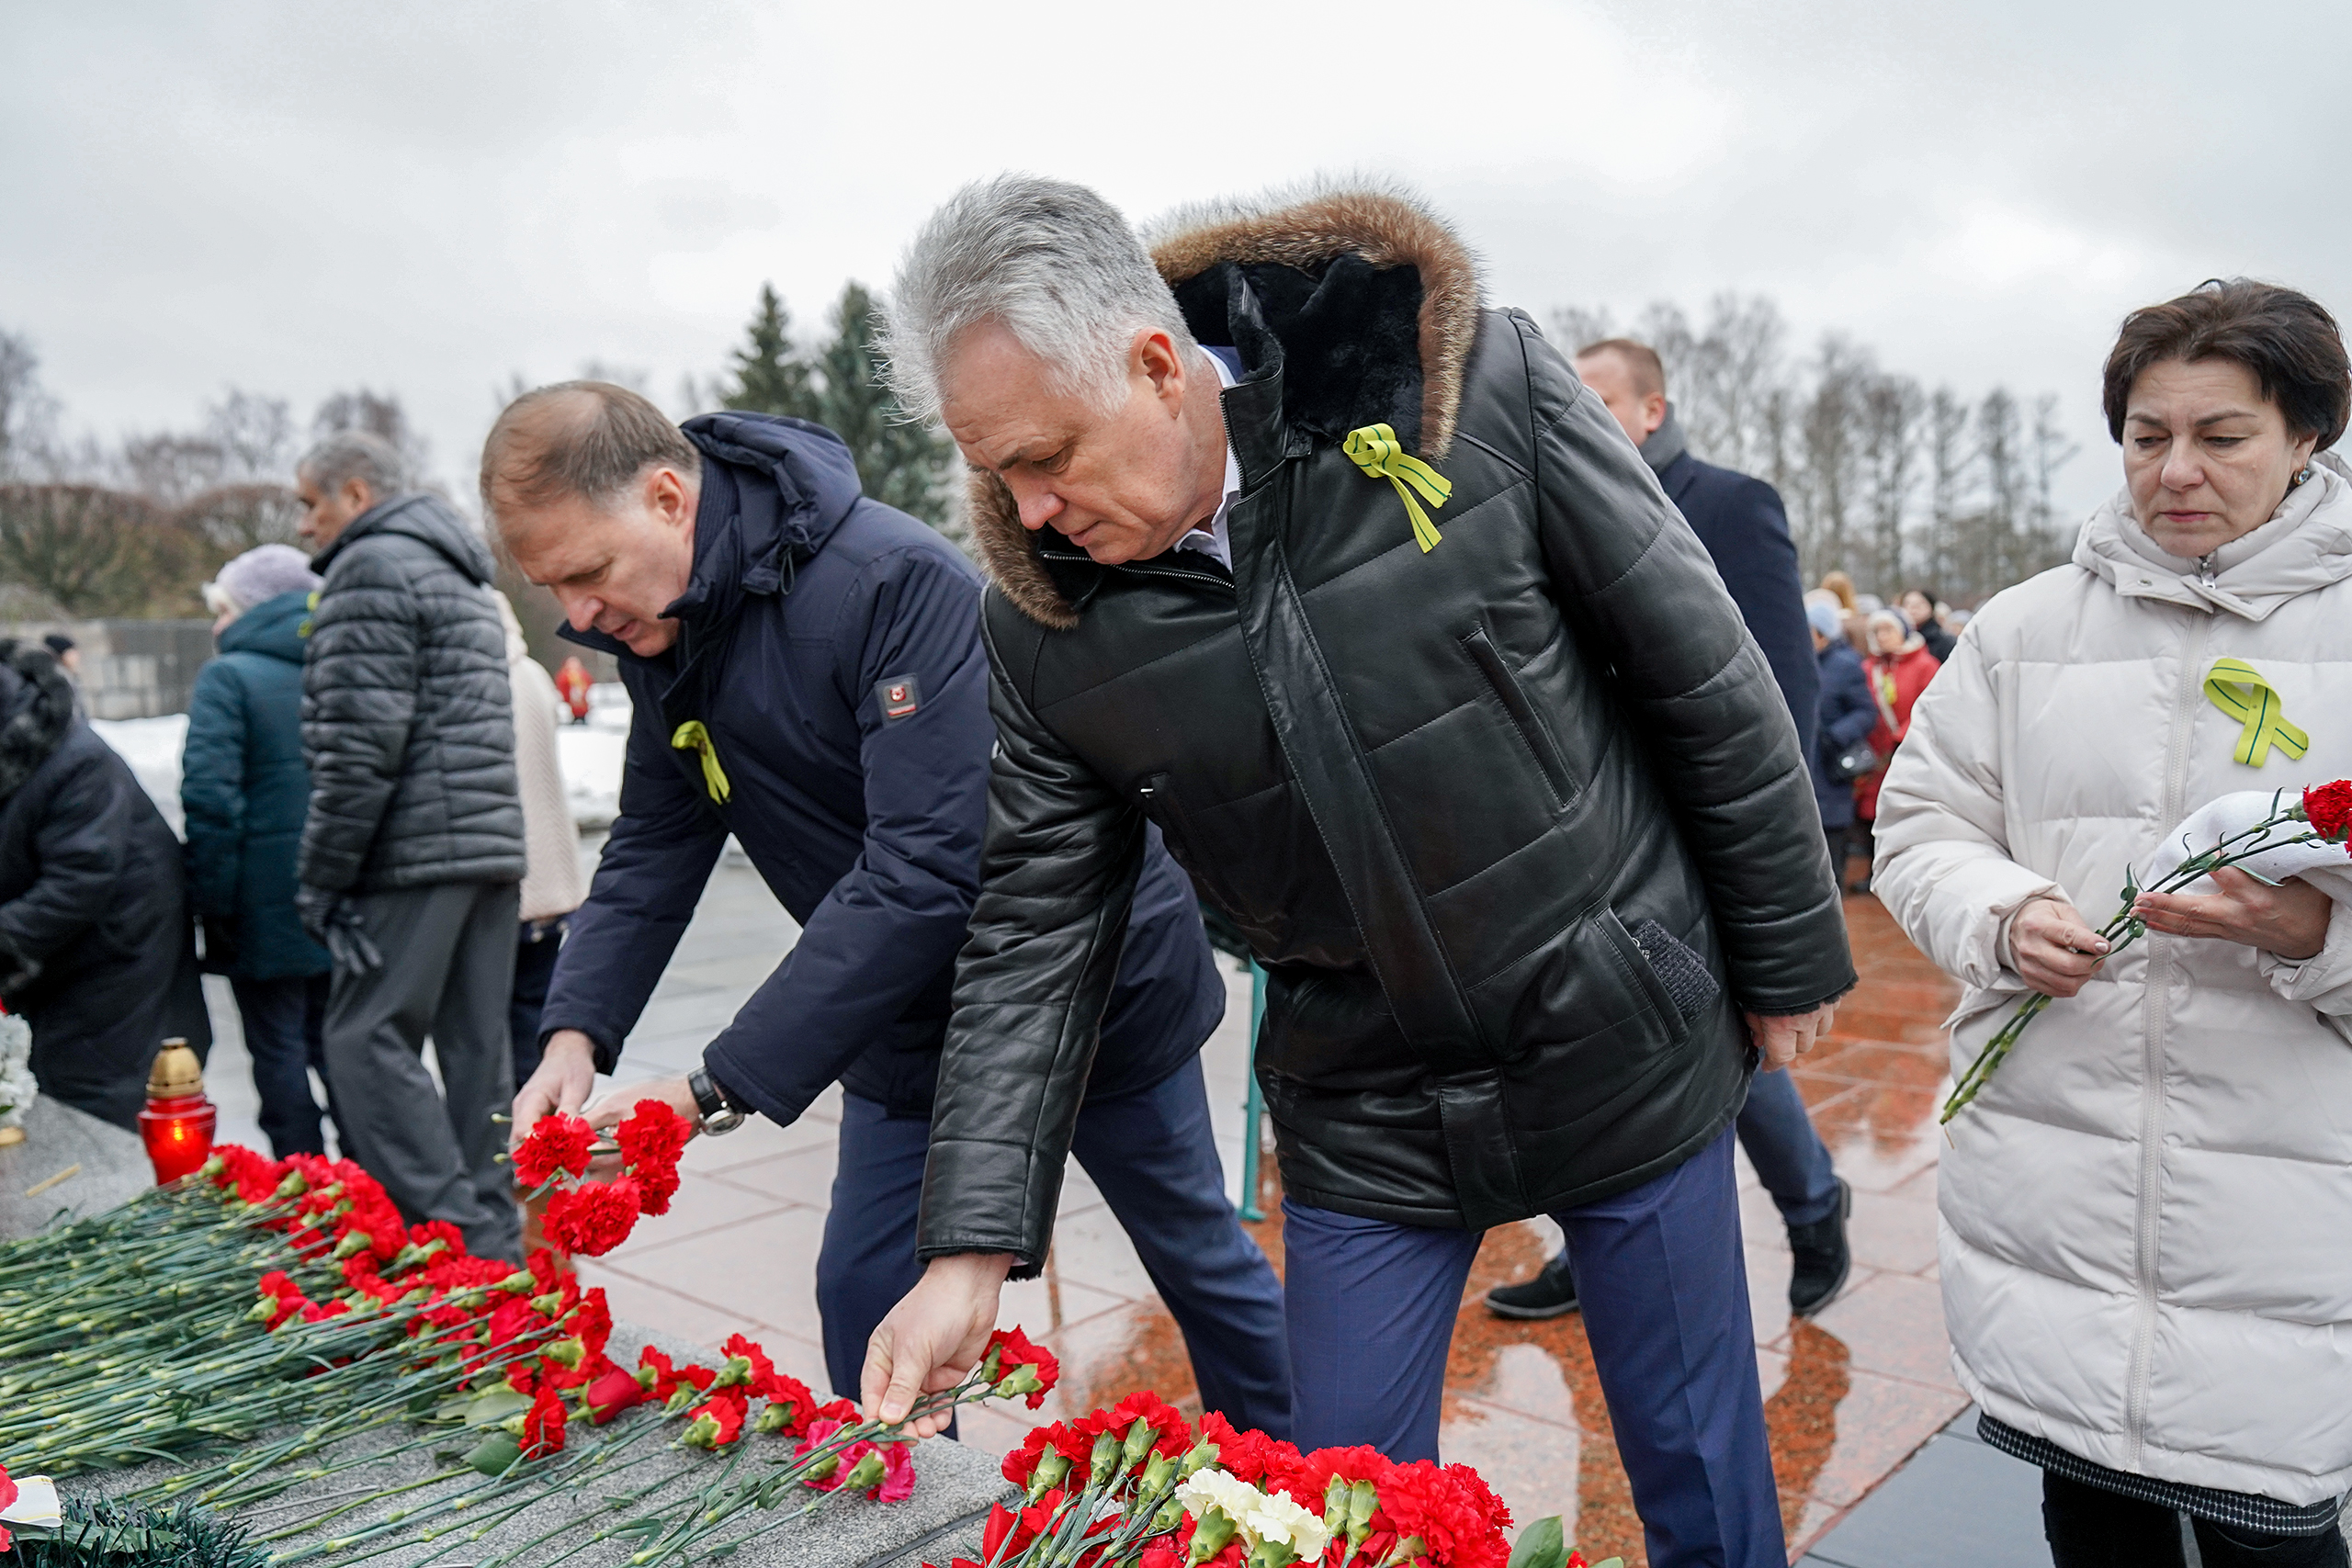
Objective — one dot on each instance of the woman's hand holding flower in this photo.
(2289, 919)
(2055, 950)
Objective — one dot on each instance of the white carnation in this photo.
(1259, 1517)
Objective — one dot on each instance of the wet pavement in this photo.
(1849, 1394)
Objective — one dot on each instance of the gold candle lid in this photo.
(177, 1073)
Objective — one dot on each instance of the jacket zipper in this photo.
(2155, 1024)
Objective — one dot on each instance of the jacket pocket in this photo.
(1531, 733)
(1675, 979)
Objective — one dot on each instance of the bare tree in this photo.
(1829, 432)
(86, 548)
(2051, 452)
(381, 415)
(1893, 407)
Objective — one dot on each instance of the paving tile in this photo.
(1894, 1324)
(763, 1271)
(1896, 1233)
(1871, 1061)
(1956, 1506)
(1092, 1247)
(804, 1175)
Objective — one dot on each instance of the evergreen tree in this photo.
(902, 463)
(770, 376)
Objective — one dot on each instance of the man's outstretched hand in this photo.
(932, 1337)
(567, 1071)
(1783, 1040)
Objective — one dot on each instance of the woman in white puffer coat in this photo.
(2147, 1213)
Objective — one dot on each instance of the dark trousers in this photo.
(2089, 1526)
(1788, 1155)
(1664, 1289)
(285, 1023)
(449, 971)
(1153, 1156)
(535, 946)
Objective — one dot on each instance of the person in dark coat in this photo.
(1347, 584)
(1848, 716)
(412, 847)
(1741, 522)
(1918, 608)
(96, 949)
(805, 672)
(245, 790)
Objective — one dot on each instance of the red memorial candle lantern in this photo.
(177, 1123)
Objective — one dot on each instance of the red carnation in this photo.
(1460, 1521)
(592, 1218)
(652, 1137)
(543, 1425)
(558, 1146)
(8, 1500)
(715, 1423)
(2329, 808)
(1016, 1353)
(1250, 1456)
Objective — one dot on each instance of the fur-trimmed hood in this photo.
(36, 711)
(1361, 301)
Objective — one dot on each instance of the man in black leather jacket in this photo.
(1439, 700)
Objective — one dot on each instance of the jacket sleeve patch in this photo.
(899, 696)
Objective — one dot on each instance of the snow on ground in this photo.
(589, 753)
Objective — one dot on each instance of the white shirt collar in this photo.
(1214, 542)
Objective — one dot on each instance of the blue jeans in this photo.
(284, 1020)
(1664, 1288)
(1154, 1157)
(1788, 1155)
(536, 944)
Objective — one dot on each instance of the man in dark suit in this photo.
(1746, 530)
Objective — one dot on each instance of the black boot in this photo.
(1550, 1294)
(1823, 1259)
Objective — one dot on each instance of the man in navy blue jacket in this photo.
(806, 674)
(1741, 522)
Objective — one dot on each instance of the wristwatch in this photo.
(719, 1114)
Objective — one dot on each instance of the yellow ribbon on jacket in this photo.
(693, 737)
(1377, 452)
(2239, 690)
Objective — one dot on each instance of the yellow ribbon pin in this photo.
(1377, 452)
(2239, 690)
(693, 737)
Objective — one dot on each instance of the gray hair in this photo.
(359, 455)
(1051, 263)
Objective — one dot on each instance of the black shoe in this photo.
(1860, 884)
(1823, 1259)
(1549, 1295)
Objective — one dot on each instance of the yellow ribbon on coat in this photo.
(693, 737)
(2243, 693)
(1376, 450)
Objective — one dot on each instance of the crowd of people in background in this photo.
(379, 853)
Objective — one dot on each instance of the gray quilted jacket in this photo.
(407, 719)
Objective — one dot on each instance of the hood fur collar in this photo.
(1370, 300)
(39, 703)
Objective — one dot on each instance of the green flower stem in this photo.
(2120, 933)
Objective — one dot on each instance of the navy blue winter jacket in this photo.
(247, 790)
(830, 648)
(1848, 716)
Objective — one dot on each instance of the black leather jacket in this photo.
(1518, 824)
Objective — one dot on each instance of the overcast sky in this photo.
(434, 200)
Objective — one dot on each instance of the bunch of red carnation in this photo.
(1103, 1491)
(591, 1218)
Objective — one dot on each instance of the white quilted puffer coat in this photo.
(2147, 1213)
